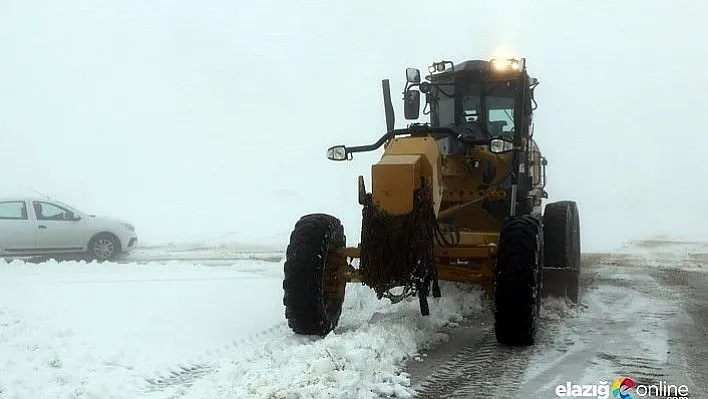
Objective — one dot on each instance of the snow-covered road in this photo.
(642, 315)
(212, 326)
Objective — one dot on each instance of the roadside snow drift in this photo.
(78, 330)
(361, 359)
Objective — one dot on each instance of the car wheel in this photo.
(103, 247)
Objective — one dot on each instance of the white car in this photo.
(40, 226)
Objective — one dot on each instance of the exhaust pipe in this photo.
(388, 106)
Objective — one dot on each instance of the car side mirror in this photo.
(68, 215)
(411, 104)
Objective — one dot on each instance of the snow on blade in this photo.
(362, 358)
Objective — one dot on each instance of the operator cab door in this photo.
(55, 230)
(17, 232)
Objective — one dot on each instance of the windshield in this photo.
(499, 115)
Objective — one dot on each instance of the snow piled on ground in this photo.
(361, 359)
(234, 241)
(664, 252)
(40, 360)
(87, 330)
(208, 250)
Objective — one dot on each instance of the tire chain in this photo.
(397, 250)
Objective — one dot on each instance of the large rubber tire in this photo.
(308, 274)
(561, 237)
(517, 281)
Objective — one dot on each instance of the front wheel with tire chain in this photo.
(517, 281)
(313, 287)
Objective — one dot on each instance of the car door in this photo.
(55, 231)
(17, 232)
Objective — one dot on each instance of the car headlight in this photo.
(128, 227)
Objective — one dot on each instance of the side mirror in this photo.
(411, 104)
(412, 75)
(69, 215)
(500, 145)
(338, 153)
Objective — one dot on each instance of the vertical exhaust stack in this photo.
(388, 106)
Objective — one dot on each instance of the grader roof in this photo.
(483, 66)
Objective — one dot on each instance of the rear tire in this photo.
(517, 281)
(561, 236)
(310, 275)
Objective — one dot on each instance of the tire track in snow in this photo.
(487, 369)
(625, 331)
(477, 370)
(180, 378)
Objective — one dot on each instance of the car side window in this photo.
(13, 210)
(47, 211)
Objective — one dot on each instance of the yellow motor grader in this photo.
(457, 198)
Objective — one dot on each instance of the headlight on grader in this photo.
(508, 64)
(500, 145)
(337, 153)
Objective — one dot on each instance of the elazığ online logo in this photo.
(622, 388)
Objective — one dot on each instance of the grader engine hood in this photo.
(406, 164)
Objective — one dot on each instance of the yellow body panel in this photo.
(395, 178)
(404, 162)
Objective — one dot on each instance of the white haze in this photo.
(200, 118)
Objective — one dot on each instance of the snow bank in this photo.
(664, 252)
(208, 249)
(362, 358)
(232, 242)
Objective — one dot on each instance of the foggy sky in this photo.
(198, 118)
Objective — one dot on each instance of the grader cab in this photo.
(457, 198)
